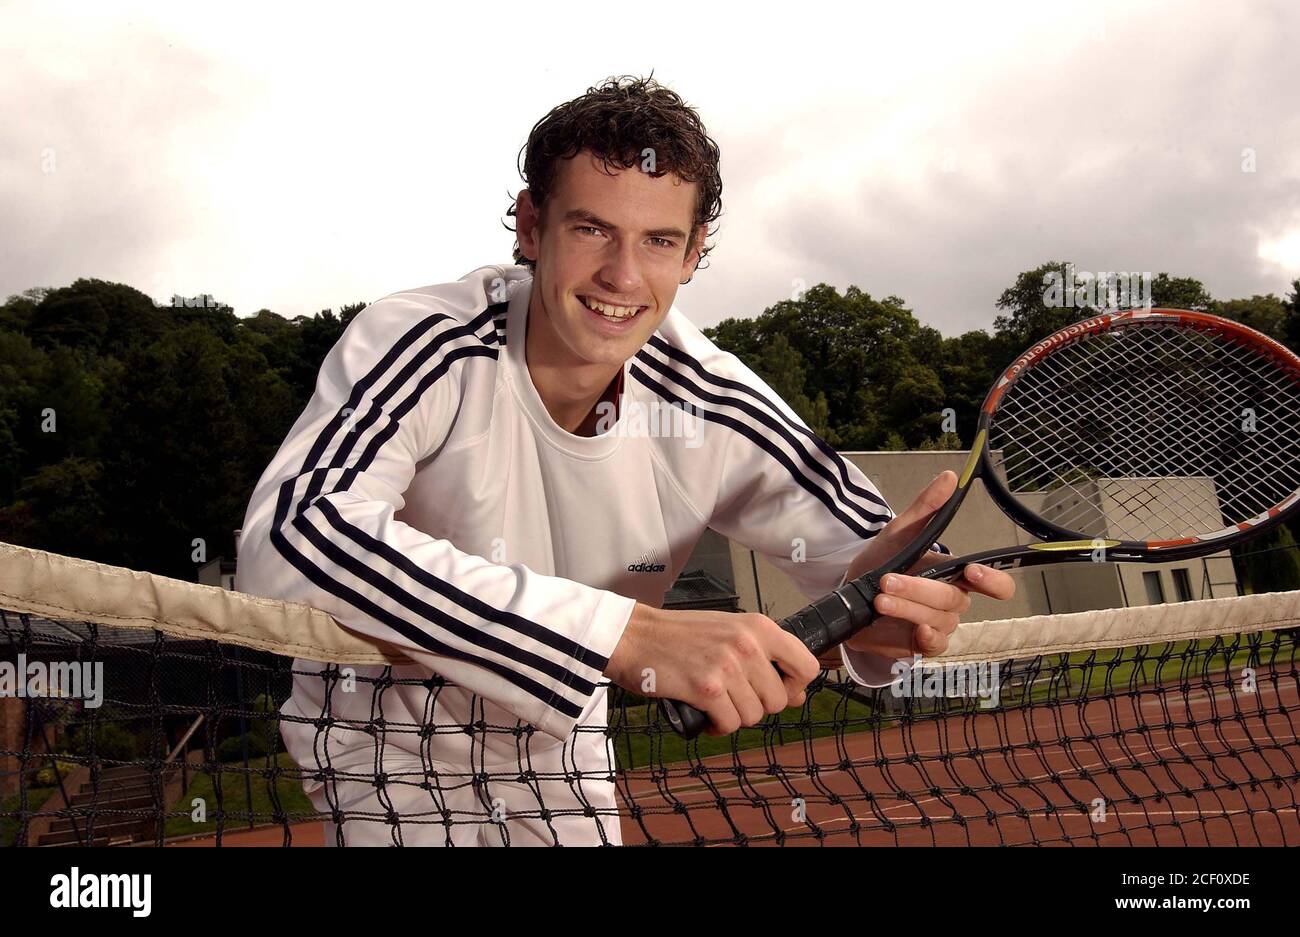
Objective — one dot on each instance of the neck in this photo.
(570, 389)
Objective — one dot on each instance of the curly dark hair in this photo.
(616, 121)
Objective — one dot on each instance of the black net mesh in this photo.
(183, 741)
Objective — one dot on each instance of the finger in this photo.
(931, 558)
(747, 703)
(976, 577)
(770, 687)
(794, 691)
(918, 613)
(889, 637)
(910, 523)
(919, 639)
(794, 658)
(723, 717)
(933, 627)
(995, 583)
(941, 595)
(929, 642)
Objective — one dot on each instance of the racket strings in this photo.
(1084, 513)
(1268, 482)
(1255, 483)
(1149, 504)
(1150, 431)
(1194, 450)
(1197, 452)
(1150, 406)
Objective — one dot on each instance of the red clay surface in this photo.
(1230, 782)
(300, 834)
(1215, 765)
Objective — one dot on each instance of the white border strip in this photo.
(1122, 627)
(65, 588)
(69, 589)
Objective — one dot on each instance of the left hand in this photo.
(918, 616)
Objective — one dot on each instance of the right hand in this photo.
(719, 662)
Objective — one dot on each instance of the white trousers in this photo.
(400, 812)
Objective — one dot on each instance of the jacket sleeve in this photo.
(785, 493)
(320, 527)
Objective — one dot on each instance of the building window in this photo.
(1182, 585)
(1155, 591)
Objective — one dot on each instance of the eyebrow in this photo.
(581, 214)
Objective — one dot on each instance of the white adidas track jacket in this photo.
(426, 498)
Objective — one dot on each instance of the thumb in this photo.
(913, 520)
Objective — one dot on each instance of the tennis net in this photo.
(135, 708)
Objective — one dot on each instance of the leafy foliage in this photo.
(853, 367)
(1271, 563)
(129, 429)
(887, 380)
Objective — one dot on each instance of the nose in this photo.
(621, 273)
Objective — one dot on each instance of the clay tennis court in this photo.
(1195, 766)
(1207, 774)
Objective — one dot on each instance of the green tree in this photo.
(869, 361)
(1179, 292)
(945, 443)
(782, 368)
(23, 367)
(1270, 563)
(969, 363)
(1266, 314)
(129, 429)
(17, 311)
(1291, 323)
(103, 317)
(60, 508)
(1030, 311)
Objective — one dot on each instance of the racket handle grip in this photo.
(686, 720)
(822, 625)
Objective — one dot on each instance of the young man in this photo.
(475, 482)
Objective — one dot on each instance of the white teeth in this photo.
(610, 312)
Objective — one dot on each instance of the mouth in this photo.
(618, 317)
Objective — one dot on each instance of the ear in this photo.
(528, 225)
(692, 258)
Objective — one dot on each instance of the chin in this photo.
(611, 354)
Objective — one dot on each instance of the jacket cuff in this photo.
(873, 670)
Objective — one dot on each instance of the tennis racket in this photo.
(1149, 435)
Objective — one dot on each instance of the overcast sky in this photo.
(299, 157)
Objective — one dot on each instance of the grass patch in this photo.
(1091, 673)
(286, 788)
(9, 825)
(643, 739)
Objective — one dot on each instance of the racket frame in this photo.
(838, 616)
(1059, 544)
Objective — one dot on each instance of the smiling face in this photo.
(611, 251)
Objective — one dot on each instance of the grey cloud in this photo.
(121, 139)
(1127, 156)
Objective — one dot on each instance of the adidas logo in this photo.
(649, 564)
